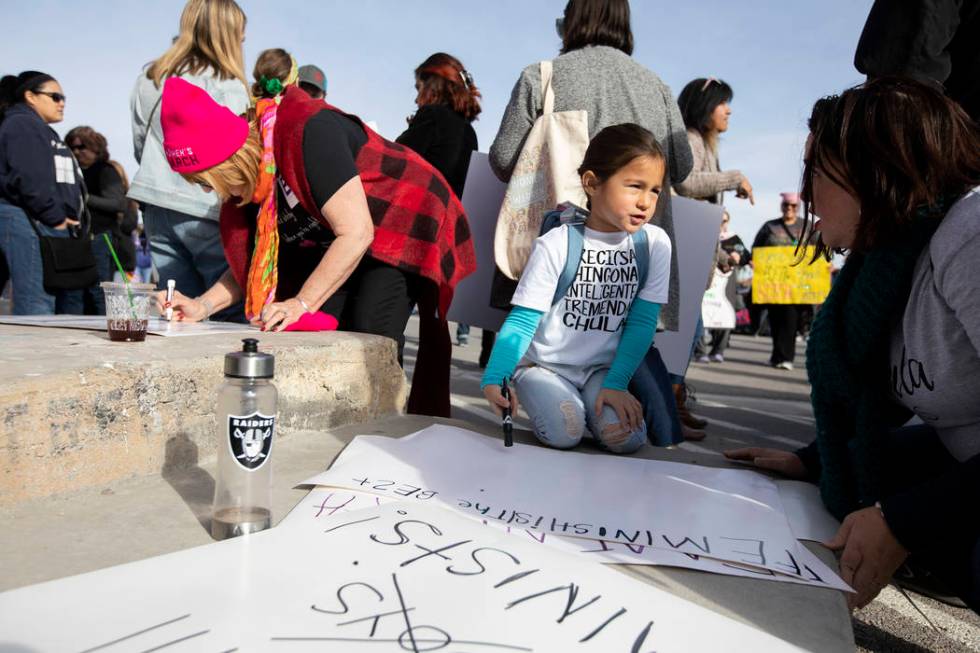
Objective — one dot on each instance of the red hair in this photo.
(444, 80)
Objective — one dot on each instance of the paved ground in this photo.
(750, 404)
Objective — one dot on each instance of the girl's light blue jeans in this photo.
(563, 414)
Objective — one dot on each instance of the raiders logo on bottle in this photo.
(250, 439)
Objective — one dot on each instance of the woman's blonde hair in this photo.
(241, 169)
(211, 33)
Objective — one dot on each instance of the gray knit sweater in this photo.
(706, 180)
(613, 89)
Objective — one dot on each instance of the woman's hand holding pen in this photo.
(628, 408)
(498, 401)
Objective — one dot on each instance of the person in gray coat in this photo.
(180, 218)
(596, 72)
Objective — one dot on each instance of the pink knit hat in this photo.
(790, 198)
(198, 133)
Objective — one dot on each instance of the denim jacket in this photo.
(155, 183)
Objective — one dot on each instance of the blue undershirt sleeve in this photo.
(638, 334)
(512, 342)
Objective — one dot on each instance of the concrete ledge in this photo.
(79, 411)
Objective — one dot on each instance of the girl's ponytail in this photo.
(275, 69)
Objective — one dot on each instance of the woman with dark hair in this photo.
(40, 185)
(892, 176)
(705, 107)
(107, 204)
(595, 72)
(442, 131)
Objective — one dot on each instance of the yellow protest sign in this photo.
(776, 280)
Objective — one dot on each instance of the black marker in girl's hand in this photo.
(508, 423)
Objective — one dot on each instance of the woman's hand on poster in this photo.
(786, 463)
(185, 309)
(279, 315)
(744, 191)
(497, 400)
(628, 409)
(870, 554)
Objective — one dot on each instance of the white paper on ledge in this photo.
(156, 326)
(386, 579)
(803, 568)
(728, 514)
(808, 518)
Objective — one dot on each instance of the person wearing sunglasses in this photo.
(39, 182)
(111, 212)
(784, 319)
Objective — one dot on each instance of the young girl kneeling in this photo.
(575, 354)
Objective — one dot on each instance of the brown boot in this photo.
(687, 419)
(691, 435)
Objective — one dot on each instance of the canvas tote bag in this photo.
(544, 176)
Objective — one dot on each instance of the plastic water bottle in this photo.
(246, 414)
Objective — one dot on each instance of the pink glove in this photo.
(316, 321)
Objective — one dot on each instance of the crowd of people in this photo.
(265, 203)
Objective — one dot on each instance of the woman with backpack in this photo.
(181, 219)
(585, 311)
(40, 188)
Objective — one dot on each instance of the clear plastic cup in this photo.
(127, 310)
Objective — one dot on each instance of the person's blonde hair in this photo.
(211, 33)
(240, 169)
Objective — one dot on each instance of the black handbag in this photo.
(68, 262)
(124, 246)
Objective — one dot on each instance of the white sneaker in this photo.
(717, 358)
(702, 359)
(785, 365)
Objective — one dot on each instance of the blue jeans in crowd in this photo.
(563, 414)
(188, 250)
(22, 249)
(651, 384)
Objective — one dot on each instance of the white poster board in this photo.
(804, 568)
(696, 227)
(482, 197)
(716, 311)
(807, 515)
(401, 577)
(729, 514)
(156, 326)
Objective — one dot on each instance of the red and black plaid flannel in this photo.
(420, 227)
